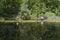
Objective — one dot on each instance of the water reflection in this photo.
(29, 31)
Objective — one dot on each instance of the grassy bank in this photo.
(28, 21)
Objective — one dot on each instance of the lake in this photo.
(30, 31)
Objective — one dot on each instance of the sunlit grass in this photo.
(26, 21)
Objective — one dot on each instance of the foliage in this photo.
(9, 8)
(42, 6)
(29, 8)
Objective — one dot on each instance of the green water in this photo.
(30, 31)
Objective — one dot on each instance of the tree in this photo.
(24, 10)
(34, 7)
(10, 8)
(51, 5)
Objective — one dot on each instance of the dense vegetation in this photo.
(28, 8)
(9, 8)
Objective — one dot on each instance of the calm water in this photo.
(30, 31)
